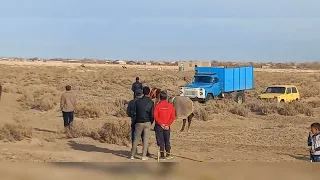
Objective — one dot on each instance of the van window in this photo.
(294, 90)
(288, 90)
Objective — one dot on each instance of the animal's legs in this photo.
(189, 121)
(183, 125)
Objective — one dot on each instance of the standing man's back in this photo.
(136, 86)
(68, 106)
(144, 118)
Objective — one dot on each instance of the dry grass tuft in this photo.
(240, 110)
(115, 133)
(88, 110)
(40, 98)
(286, 109)
(218, 106)
(120, 106)
(77, 130)
(314, 103)
(17, 131)
(200, 112)
(111, 133)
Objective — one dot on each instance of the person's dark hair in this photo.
(163, 95)
(146, 90)
(137, 78)
(315, 125)
(68, 88)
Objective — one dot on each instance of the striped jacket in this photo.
(315, 144)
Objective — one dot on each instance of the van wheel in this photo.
(282, 101)
(240, 97)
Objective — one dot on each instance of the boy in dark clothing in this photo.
(315, 142)
(164, 115)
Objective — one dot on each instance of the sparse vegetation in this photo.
(16, 131)
(112, 133)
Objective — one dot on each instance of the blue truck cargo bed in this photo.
(230, 79)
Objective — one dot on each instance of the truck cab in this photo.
(202, 87)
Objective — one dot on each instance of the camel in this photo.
(183, 105)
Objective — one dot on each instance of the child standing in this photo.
(315, 142)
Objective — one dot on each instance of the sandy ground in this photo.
(224, 138)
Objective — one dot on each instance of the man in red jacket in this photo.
(164, 115)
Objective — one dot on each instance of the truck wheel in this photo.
(209, 97)
(240, 97)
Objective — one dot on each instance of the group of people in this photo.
(144, 113)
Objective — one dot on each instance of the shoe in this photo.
(169, 156)
(162, 158)
(144, 158)
(132, 157)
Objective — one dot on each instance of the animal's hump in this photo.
(183, 106)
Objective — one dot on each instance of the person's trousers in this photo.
(67, 118)
(163, 139)
(315, 158)
(139, 129)
(132, 133)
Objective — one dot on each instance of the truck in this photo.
(219, 82)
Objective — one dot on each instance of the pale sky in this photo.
(232, 30)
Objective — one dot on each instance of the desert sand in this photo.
(32, 126)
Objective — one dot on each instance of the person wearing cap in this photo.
(144, 108)
(68, 106)
(131, 113)
(164, 115)
(136, 85)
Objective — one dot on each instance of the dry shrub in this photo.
(263, 107)
(200, 112)
(286, 109)
(112, 133)
(218, 106)
(77, 130)
(302, 108)
(115, 133)
(314, 103)
(42, 98)
(120, 106)
(17, 131)
(239, 110)
(88, 110)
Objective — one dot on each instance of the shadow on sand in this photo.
(92, 148)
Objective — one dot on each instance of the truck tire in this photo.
(240, 97)
(209, 97)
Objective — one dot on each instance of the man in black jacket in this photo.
(135, 86)
(131, 113)
(144, 118)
